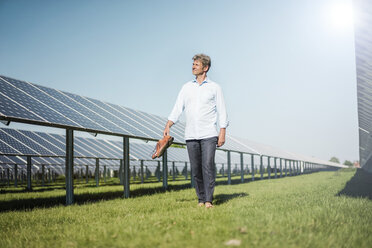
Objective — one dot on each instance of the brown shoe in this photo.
(162, 145)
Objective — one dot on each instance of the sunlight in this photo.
(341, 15)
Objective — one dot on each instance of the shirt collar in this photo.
(206, 80)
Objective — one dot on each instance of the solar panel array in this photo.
(22, 143)
(30, 103)
(363, 52)
(18, 143)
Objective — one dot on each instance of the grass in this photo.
(324, 209)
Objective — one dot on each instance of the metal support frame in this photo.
(285, 166)
(261, 166)
(165, 170)
(252, 165)
(275, 168)
(268, 167)
(43, 175)
(86, 174)
(8, 176)
(69, 166)
(104, 173)
(29, 184)
(159, 173)
(186, 174)
(16, 175)
(96, 174)
(173, 171)
(281, 167)
(241, 167)
(126, 167)
(296, 168)
(228, 167)
(141, 167)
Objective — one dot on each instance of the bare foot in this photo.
(200, 204)
(208, 205)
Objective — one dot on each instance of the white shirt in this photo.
(202, 104)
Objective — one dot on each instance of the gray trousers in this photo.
(201, 155)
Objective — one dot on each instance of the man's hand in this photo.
(221, 137)
(167, 128)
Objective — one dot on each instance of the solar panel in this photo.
(9, 87)
(65, 105)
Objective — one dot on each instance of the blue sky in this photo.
(286, 68)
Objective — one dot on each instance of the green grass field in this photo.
(324, 209)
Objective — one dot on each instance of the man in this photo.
(202, 100)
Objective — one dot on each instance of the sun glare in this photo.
(341, 15)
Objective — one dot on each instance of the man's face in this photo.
(197, 68)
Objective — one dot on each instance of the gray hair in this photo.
(205, 59)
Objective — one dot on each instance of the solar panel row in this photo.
(363, 49)
(22, 143)
(35, 104)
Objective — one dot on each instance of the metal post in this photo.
(159, 174)
(252, 165)
(275, 168)
(241, 167)
(86, 174)
(142, 171)
(295, 165)
(261, 166)
(8, 176)
(15, 175)
(173, 171)
(187, 175)
(147, 172)
(104, 173)
(29, 185)
(165, 170)
(49, 176)
(21, 177)
(43, 175)
(281, 168)
(268, 167)
(97, 172)
(121, 171)
(126, 166)
(69, 166)
(228, 167)
(285, 166)
(81, 175)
